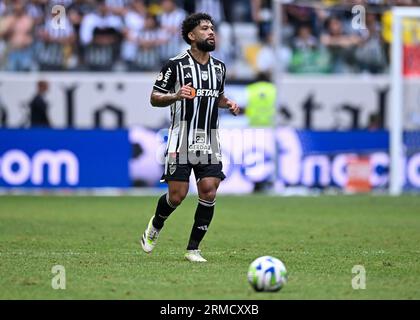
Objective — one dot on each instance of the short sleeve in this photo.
(166, 78)
(222, 87)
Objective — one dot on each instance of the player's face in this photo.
(205, 36)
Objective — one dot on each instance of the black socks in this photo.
(163, 210)
(202, 219)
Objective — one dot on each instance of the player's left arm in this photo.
(223, 101)
(226, 103)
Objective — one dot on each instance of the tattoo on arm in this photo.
(160, 99)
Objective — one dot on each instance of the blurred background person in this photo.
(38, 107)
(261, 111)
(101, 35)
(17, 29)
(170, 19)
(262, 15)
(2, 7)
(317, 36)
(2, 41)
(37, 10)
(269, 57)
(149, 41)
(134, 21)
(261, 107)
(341, 46)
(3, 112)
(215, 8)
(370, 54)
(56, 43)
(308, 55)
(75, 13)
(118, 7)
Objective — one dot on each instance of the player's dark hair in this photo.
(191, 22)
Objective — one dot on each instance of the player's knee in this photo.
(208, 194)
(177, 197)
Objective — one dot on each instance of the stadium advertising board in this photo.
(120, 158)
(43, 158)
(304, 158)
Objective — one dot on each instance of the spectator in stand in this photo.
(100, 35)
(170, 19)
(103, 33)
(215, 8)
(56, 42)
(36, 9)
(370, 55)
(118, 7)
(304, 39)
(2, 42)
(134, 20)
(17, 28)
(75, 12)
(308, 56)
(341, 46)
(268, 58)
(262, 15)
(99, 20)
(64, 3)
(298, 15)
(149, 40)
(2, 8)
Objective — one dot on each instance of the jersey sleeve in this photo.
(166, 78)
(222, 87)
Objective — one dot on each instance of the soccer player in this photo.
(192, 83)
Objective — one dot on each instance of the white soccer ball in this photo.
(267, 274)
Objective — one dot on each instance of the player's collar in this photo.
(202, 64)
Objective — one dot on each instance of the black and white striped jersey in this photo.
(52, 53)
(194, 122)
(63, 29)
(118, 3)
(148, 58)
(171, 20)
(64, 3)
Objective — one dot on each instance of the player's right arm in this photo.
(160, 99)
(162, 94)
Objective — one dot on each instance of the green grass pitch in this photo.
(319, 239)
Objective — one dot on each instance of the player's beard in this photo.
(205, 46)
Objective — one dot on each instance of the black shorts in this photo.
(179, 168)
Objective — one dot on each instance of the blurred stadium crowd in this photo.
(137, 35)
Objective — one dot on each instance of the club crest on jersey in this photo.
(160, 76)
(204, 75)
(172, 162)
(172, 169)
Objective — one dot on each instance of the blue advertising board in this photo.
(45, 158)
(312, 159)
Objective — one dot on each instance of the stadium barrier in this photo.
(92, 100)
